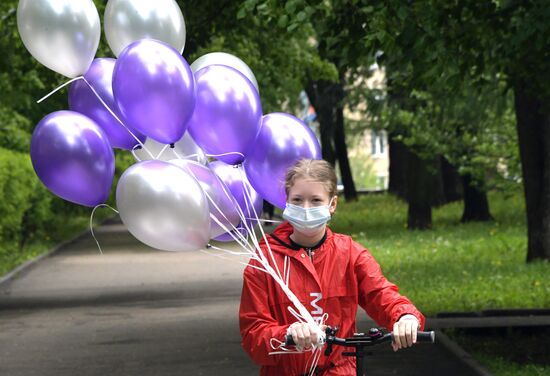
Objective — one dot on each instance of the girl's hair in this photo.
(315, 169)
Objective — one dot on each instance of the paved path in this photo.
(137, 311)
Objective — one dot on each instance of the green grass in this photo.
(454, 266)
(502, 367)
(458, 267)
(11, 255)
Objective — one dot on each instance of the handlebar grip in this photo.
(289, 341)
(428, 337)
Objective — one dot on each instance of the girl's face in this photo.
(309, 193)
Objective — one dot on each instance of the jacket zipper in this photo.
(310, 253)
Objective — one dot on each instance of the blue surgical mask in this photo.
(307, 220)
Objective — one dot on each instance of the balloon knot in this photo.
(172, 146)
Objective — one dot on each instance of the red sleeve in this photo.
(379, 297)
(256, 322)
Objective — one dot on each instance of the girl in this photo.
(330, 274)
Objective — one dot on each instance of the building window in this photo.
(377, 143)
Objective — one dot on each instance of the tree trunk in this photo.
(420, 184)
(350, 193)
(419, 216)
(398, 167)
(533, 128)
(318, 94)
(326, 97)
(476, 205)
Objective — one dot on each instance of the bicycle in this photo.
(360, 342)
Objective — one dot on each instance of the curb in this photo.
(28, 265)
(461, 354)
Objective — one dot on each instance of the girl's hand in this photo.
(304, 335)
(404, 332)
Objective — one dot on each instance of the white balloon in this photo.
(223, 58)
(63, 35)
(163, 206)
(185, 148)
(127, 21)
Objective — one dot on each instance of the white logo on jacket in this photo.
(317, 313)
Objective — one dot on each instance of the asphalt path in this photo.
(136, 311)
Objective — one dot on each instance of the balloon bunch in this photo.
(174, 117)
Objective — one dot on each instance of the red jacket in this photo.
(341, 276)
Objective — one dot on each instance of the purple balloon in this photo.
(154, 89)
(227, 115)
(72, 157)
(218, 195)
(283, 140)
(227, 237)
(235, 179)
(82, 99)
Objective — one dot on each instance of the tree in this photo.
(481, 39)
(336, 34)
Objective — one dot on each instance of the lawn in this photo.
(453, 267)
(459, 267)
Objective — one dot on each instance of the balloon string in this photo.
(212, 216)
(195, 156)
(264, 220)
(92, 221)
(102, 102)
(162, 151)
(251, 231)
(133, 151)
(59, 88)
(221, 155)
(255, 252)
(117, 118)
(248, 201)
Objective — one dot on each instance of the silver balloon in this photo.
(185, 148)
(63, 35)
(163, 206)
(220, 199)
(223, 58)
(127, 21)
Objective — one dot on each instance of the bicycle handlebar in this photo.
(374, 337)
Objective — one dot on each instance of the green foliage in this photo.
(18, 186)
(454, 267)
(281, 60)
(474, 129)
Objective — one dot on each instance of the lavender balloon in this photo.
(154, 89)
(235, 179)
(82, 99)
(227, 115)
(72, 157)
(220, 200)
(283, 140)
(231, 235)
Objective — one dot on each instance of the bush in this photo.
(20, 189)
